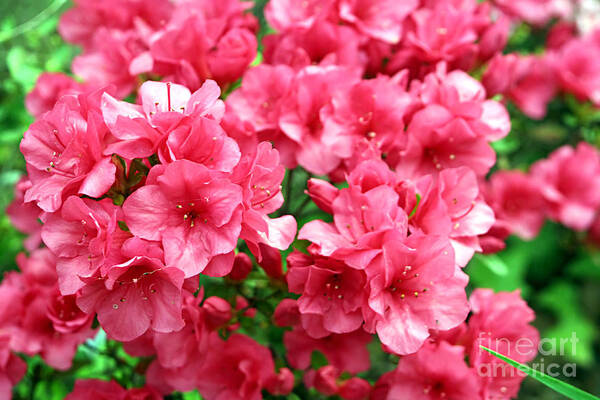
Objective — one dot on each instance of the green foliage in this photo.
(22, 59)
(563, 388)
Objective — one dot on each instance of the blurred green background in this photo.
(558, 273)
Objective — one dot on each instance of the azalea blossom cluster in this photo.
(140, 201)
(532, 81)
(565, 188)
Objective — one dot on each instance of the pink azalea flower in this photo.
(172, 122)
(436, 141)
(322, 193)
(104, 63)
(12, 368)
(79, 24)
(328, 288)
(263, 89)
(299, 117)
(63, 152)
(347, 351)
(576, 65)
(135, 296)
(560, 33)
(109, 390)
(49, 324)
(518, 202)
(25, 216)
(372, 109)
(536, 12)
(194, 211)
(234, 53)
(260, 174)
(324, 43)
(242, 266)
(271, 262)
(570, 182)
(452, 207)
(286, 14)
(528, 81)
(437, 371)
(239, 372)
(181, 354)
(379, 19)
(440, 33)
(500, 322)
(414, 286)
(323, 380)
(282, 383)
(202, 41)
(465, 98)
(84, 236)
(360, 220)
(49, 87)
(354, 388)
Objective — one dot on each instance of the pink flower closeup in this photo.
(500, 322)
(379, 19)
(135, 296)
(300, 119)
(453, 207)
(260, 174)
(517, 201)
(286, 14)
(12, 368)
(173, 123)
(440, 33)
(234, 52)
(372, 109)
(202, 41)
(570, 184)
(263, 89)
(437, 371)
(63, 152)
(79, 24)
(85, 236)
(347, 352)
(536, 12)
(414, 286)
(324, 44)
(239, 372)
(329, 289)
(25, 216)
(196, 213)
(49, 87)
(109, 390)
(48, 324)
(575, 67)
(528, 81)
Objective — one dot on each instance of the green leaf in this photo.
(22, 68)
(494, 263)
(559, 386)
(193, 395)
(571, 318)
(317, 360)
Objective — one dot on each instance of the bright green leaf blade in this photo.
(494, 263)
(561, 387)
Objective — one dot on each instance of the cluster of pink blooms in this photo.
(569, 65)
(138, 200)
